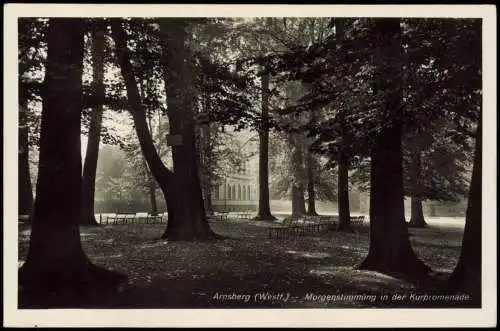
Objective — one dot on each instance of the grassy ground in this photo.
(296, 273)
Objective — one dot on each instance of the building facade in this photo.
(237, 192)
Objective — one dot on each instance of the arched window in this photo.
(249, 196)
(239, 192)
(228, 195)
(244, 190)
(233, 192)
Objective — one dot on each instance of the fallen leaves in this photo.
(184, 274)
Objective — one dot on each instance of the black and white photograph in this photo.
(274, 162)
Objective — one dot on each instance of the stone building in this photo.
(238, 191)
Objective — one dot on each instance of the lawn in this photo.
(245, 269)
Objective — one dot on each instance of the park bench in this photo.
(122, 218)
(243, 215)
(278, 232)
(150, 218)
(218, 216)
(125, 218)
(116, 218)
(357, 220)
(299, 228)
(221, 215)
(104, 218)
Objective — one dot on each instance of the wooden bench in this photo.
(122, 218)
(243, 215)
(125, 217)
(293, 228)
(357, 220)
(153, 218)
(117, 217)
(218, 216)
(278, 232)
(104, 218)
(221, 215)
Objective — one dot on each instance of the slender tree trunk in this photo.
(205, 168)
(311, 202)
(301, 200)
(24, 180)
(152, 196)
(264, 211)
(94, 135)
(343, 194)
(417, 213)
(467, 274)
(390, 250)
(56, 260)
(151, 180)
(296, 211)
(181, 188)
(300, 168)
(298, 201)
(343, 175)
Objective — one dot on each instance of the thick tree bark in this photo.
(94, 135)
(56, 260)
(192, 222)
(343, 194)
(181, 188)
(298, 202)
(417, 213)
(467, 274)
(390, 251)
(264, 210)
(25, 205)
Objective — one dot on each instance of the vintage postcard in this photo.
(249, 165)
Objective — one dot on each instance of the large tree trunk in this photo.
(56, 260)
(94, 135)
(417, 213)
(179, 79)
(264, 211)
(181, 188)
(390, 250)
(467, 274)
(343, 194)
(24, 179)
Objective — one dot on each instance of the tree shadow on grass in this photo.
(188, 275)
